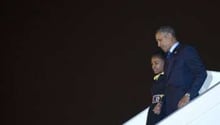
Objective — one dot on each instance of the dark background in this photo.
(88, 62)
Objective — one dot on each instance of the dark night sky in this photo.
(88, 62)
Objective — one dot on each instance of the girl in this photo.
(156, 112)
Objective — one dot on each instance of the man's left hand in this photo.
(183, 101)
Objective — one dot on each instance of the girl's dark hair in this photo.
(159, 54)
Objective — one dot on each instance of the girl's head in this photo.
(157, 62)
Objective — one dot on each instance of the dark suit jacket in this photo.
(185, 73)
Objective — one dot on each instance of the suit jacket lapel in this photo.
(170, 62)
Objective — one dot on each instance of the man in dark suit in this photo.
(184, 70)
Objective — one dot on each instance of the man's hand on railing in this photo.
(184, 101)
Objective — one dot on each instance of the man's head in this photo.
(165, 37)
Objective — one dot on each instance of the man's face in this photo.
(164, 41)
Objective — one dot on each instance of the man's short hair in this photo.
(166, 29)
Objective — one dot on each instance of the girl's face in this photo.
(157, 64)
